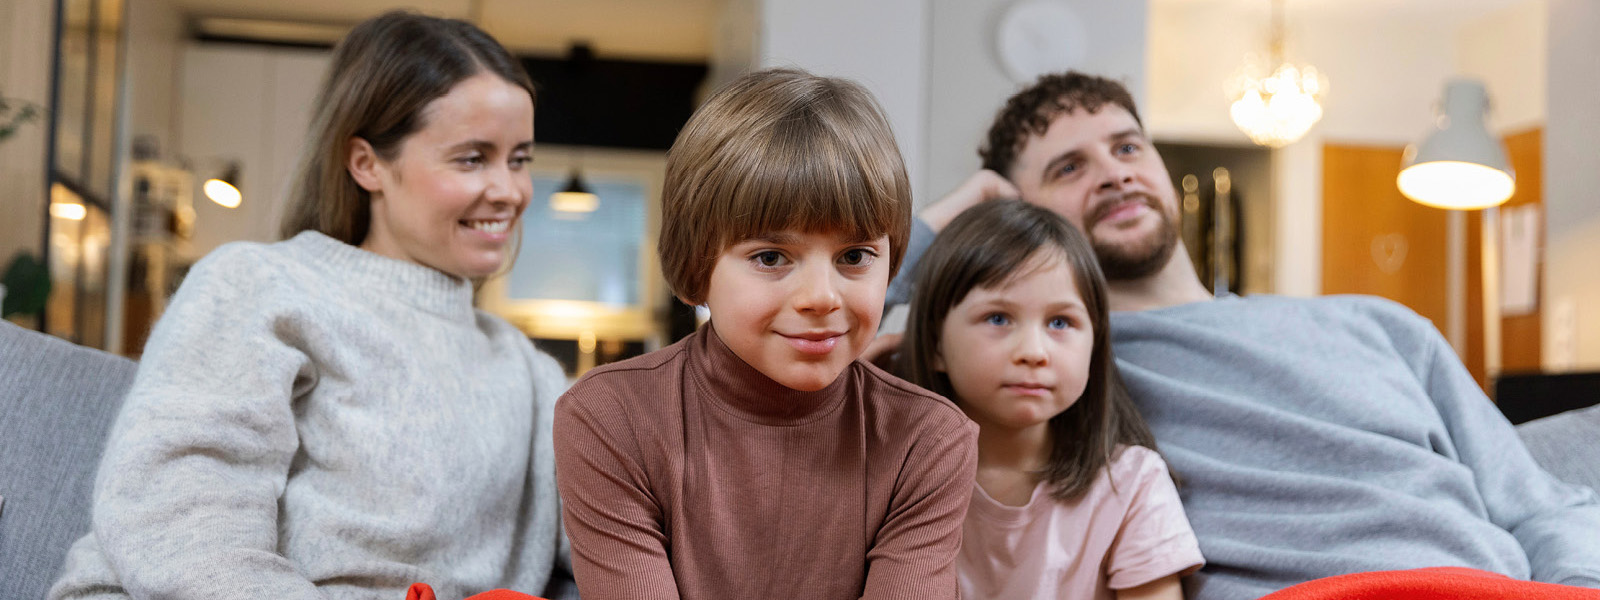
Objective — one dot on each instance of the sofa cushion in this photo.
(57, 402)
(1567, 445)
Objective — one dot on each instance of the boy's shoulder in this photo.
(627, 374)
(897, 399)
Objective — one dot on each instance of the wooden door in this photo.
(1375, 240)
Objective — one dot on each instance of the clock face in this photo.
(1035, 37)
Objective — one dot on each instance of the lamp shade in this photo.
(575, 197)
(1458, 165)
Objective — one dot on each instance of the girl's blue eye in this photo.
(1060, 323)
(520, 161)
(1128, 148)
(997, 319)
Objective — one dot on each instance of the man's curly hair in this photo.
(1030, 111)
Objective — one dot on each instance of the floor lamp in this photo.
(1459, 166)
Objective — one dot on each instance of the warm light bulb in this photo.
(68, 211)
(1456, 185)
(574, 202)
(223, 193)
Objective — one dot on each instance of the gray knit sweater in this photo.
(312, 420)
(1318, 437)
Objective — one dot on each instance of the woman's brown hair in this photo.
(988, 246)
(775, 150)
(383, 74)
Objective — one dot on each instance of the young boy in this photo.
(757, 458)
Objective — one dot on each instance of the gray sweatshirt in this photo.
(312, 420)
(1318, 437)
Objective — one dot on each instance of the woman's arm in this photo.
(186, 499)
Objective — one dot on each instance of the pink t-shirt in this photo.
(1108, 539)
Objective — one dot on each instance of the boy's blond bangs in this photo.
(780, 150)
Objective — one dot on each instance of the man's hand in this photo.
(982, 186)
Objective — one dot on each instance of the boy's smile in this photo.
(799, 307)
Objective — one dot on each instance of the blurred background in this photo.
(121, 120)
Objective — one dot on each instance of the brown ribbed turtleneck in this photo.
(686, 473)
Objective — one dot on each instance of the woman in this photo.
(328, 416)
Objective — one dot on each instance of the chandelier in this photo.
(1276, 108)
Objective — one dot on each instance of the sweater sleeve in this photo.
(612, 518)
(913, 555)
(186, 500)
(550, 382)
(1557, 524)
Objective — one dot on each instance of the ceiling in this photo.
(670, 30)
(682, 30)
(1442, 12)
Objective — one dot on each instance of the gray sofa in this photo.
(1567, 445)
(57, 402)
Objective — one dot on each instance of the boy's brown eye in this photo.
(769, 258)
(856, 257)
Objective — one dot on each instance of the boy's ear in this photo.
(364, 165)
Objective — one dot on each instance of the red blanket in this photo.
(421, 591)
(1439, 583)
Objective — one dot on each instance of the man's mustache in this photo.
(1106, 206)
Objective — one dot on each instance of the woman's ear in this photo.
(364, 165)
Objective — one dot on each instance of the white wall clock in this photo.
(1034, 37)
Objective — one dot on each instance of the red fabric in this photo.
(421, 591)
(1439, 583)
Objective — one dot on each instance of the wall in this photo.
(1572, 178)
(1506, 51)
(966, 83)
(736, 46)
(251, 104)
(1384, 75)
(155, 42)
(25, 27)
(881, 44)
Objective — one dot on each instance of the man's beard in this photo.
(1140, 258)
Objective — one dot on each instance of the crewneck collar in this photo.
(985, 507)
(375, 275)
(742, 390)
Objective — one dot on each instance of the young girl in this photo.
(1072, 501)
(328, 416)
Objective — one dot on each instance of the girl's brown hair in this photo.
(988, 246)
(383, 74)
(775, 150)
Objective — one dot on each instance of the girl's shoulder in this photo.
(1135, 465)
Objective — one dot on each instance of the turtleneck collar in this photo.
(421, 286)
(735, 386)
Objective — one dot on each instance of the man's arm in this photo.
(1557, 524)
(981, 187)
